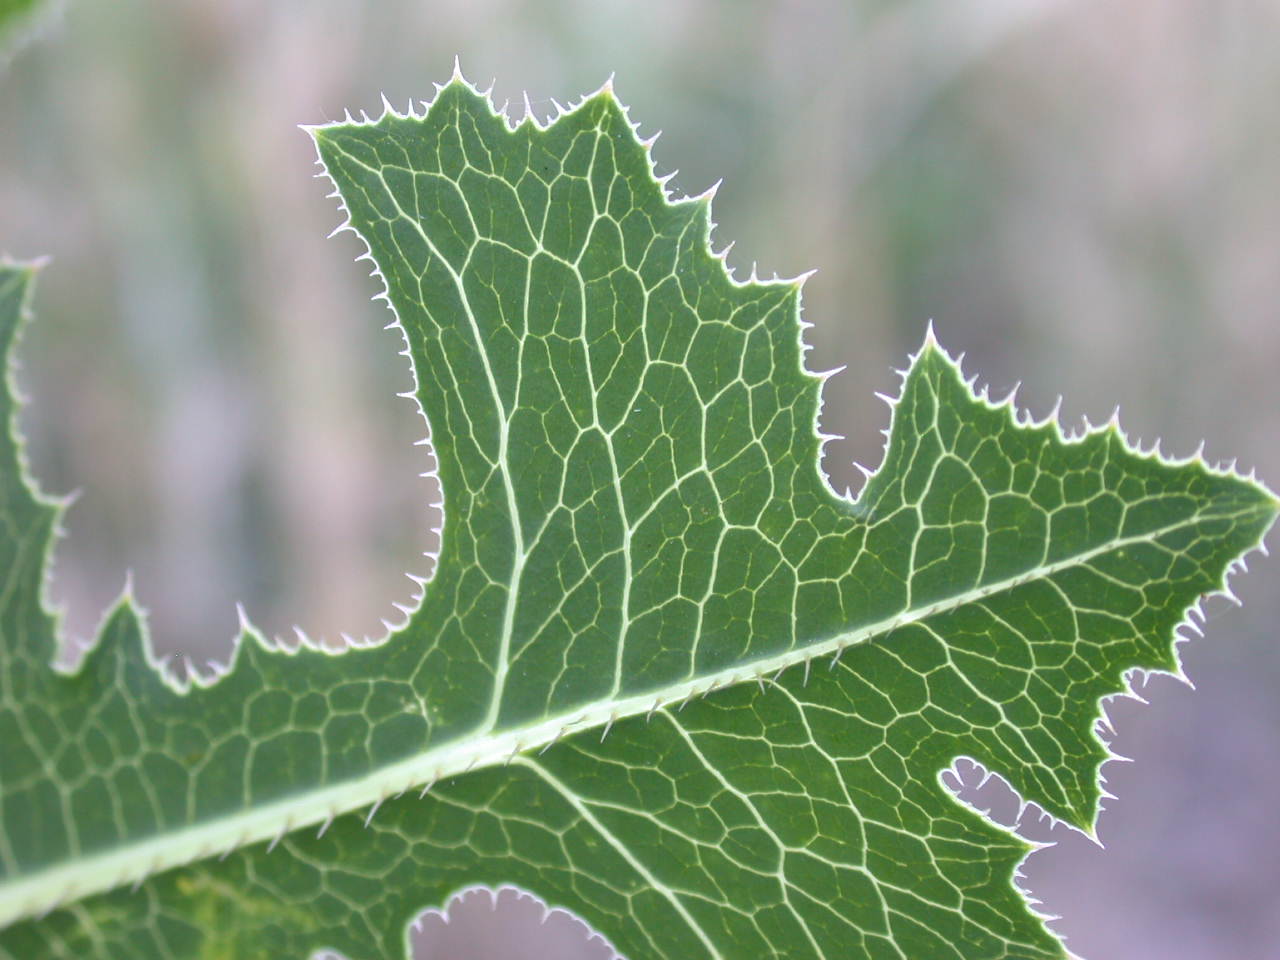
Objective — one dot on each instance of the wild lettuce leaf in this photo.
(663, 675)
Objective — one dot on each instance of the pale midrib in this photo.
(39, 892)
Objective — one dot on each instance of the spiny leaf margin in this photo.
(931, 351)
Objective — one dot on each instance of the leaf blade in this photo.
(688, 543)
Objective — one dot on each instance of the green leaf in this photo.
(663, 676)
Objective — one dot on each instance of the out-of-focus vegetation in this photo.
(13, 13)
(1080, 193)
(10, 10)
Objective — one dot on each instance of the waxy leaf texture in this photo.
(663, 676)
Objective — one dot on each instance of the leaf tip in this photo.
(930, 337)
(799, 281)
(28, 268)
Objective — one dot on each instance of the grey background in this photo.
(1083, 194)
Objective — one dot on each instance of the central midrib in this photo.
(46, 889)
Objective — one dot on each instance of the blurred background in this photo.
(1083, 195)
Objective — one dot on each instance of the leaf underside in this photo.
(663, 677)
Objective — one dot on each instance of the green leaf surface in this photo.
(663, 676)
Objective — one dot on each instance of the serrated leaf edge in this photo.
(38, 893)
